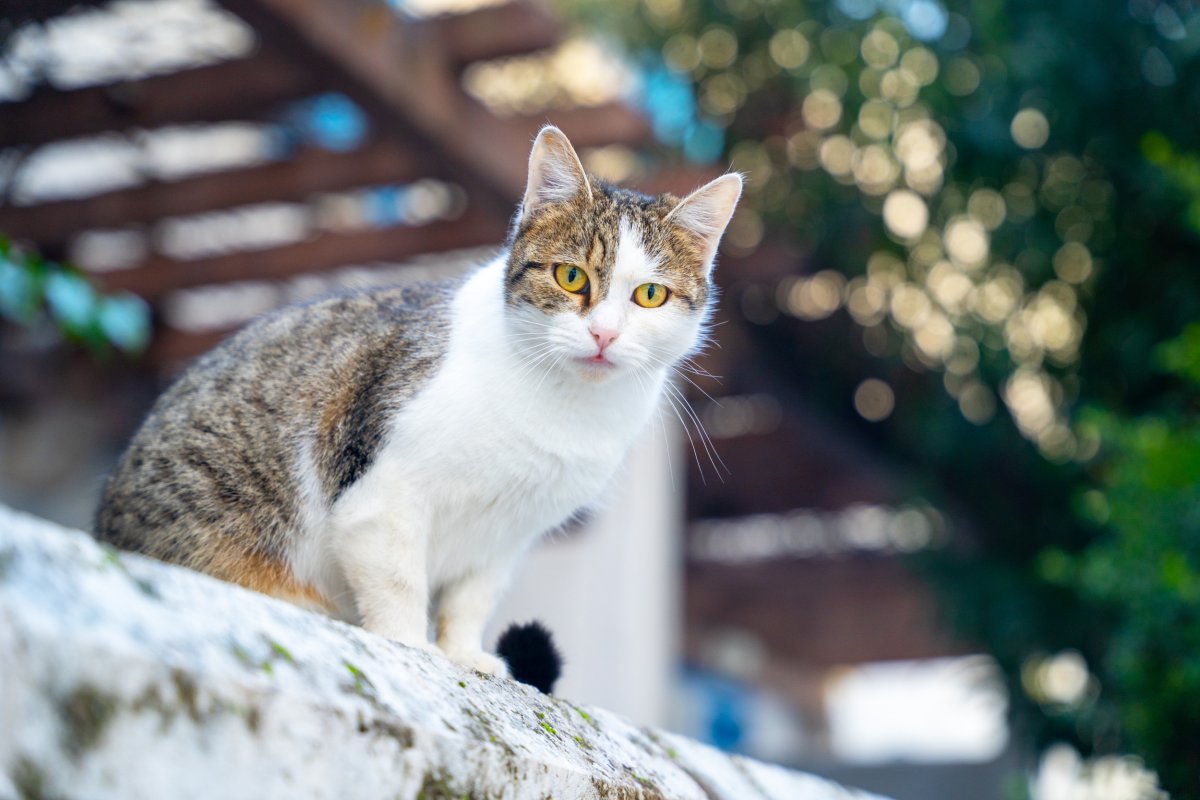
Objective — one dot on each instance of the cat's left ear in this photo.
(706, 212)
(555, 172)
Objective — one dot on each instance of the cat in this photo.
(381, 454)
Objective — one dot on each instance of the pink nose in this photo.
(604, 337)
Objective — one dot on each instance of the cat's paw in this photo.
(480, 661)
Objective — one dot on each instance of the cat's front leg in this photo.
(383, 561)
(464, 607)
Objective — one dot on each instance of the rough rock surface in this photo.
(121, 677)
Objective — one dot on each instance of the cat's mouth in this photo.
(597, 360)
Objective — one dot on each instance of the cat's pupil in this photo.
(572, 275)
(650, 292)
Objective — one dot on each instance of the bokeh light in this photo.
(905, 214)
(1030, 128)
(874, 400)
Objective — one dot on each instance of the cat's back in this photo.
(281, 417)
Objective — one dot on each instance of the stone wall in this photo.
(121, 677)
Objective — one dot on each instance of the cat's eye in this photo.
(650, 295)
(571, 278)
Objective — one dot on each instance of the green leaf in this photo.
(19, 293)
(72, 301)
(125, 321)
(1181, 356)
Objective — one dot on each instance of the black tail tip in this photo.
(531, 655)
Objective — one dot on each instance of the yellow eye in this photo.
(650, 295)
(571, 278)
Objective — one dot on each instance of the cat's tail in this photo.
(531, 655)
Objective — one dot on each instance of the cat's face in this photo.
(603, 281)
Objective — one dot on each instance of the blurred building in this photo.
(222, 159)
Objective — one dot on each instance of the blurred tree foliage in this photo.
(1004, 197)
(34, 291)
(1143, 575)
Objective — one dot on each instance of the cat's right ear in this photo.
(555, 172)
(707, 211)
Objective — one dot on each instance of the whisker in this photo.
(662, 423)
(709, 447)
(695, 452)
(674, 368)
(535, 322)
(545, 373)
(696, 369)
(530, 364)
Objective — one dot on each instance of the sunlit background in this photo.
(926, 515)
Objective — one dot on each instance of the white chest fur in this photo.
(493, 451)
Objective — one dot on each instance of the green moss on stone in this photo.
(384, 727)
(187, 692)
(145, 587)
(241, 654)
(609, 791)
(586, 717)
(112, 558)
(29, 780)
(152, 699)
(482, 728)
(283, 652)
(86, 712)
(436, 786)
(669, 752)
(362, 684)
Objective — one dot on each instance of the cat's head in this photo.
(603, 281)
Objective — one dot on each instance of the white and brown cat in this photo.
(392, 453)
